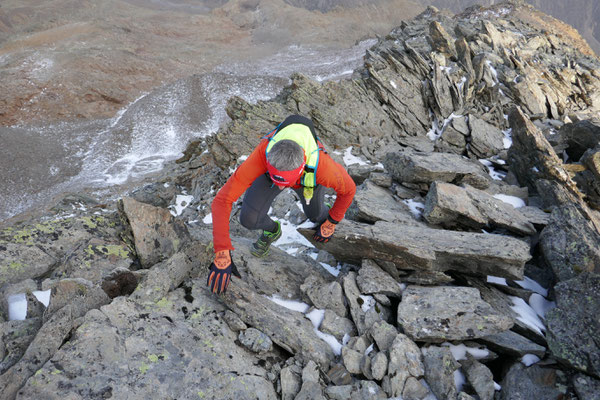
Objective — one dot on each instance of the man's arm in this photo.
(333, 175)
(237, 184)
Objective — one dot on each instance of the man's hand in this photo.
(219, 274)
(324, 231)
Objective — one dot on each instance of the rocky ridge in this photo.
(426, 279)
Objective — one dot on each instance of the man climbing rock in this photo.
(289, 156)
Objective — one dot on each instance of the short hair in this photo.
(286, 155)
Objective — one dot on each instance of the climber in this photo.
(289, 156)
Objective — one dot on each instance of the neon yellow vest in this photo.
(302, 135)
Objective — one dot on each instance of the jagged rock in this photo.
(512, 343)
(480, 377)
(577, 137)
(156, 233)
(438, 314)
(372, 279)
(383, 334)
(405, 363)
(32, 251)
(374, 203)
(441, 41)
(311, 388)
(367, 390)
(291, 382)
(15, 337)
(529, 383)
(426, 168)
(534, 215)
(451, 206)
(234, 322)
(586, 387)
(325, 295)
(414, 389)
(355, 302)
(570, 244)
(339, 375)
(379, 366)
(352, 360)
(255, 340)
(365, 365)
(288, 329)
(50, 338)
(342, 392)
(573, 324)
(119, 282)
(427, 249)
(380, 179)
(486, 139)
(359, 343)
(439, 367)
(337, 326)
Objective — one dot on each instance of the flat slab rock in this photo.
(423, 248)
(439, 314)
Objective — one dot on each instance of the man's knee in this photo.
(249, 218)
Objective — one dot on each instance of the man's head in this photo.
(285, 162)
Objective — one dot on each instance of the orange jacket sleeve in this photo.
(333, 175)
(254, 166)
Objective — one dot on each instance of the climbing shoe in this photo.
(260, 248)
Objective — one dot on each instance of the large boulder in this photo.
(439, 314)
(422, 248)
(573, 325)
(452, 206)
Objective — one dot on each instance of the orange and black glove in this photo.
(219, 274)
(325, 230)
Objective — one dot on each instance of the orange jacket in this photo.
(329, 174)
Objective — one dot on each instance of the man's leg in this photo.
(316, 210)
(256, 204)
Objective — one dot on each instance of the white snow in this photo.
(416, 207)
(43, 296)
(17, 307)
(208, 219)
(290, 304)
(435, 132)
(369, 349)
(350, 159)
(540, 305)
(493, 173)
(335, 271)
(527, 315)
(529, 359)
(497, 386)
(181, 202)
(497, 280)
(514, 201)
(394, 84)
(460, 351)
(530, 284)
(289, 235)
(459, 380)
(507, 140)
(316, 317)
(368, 302)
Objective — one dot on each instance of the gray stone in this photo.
(352, 360)
(119, 282)
(379, 366)
(441, 41)
(234, 321)
(339, 375)
(337, 326)
(405, 362)
(325, 295)
(428, 249)
(310, 391)
(372, 279)
(156, 233)
(374, 203)
(255, 340)
(355, 301)
(359, 343)
(466, 207)
(586, 387)
(414, 167)
(570, 244)
(573, 325)
(535, 215)
(310, 373)
(509, 342)
(381, 179)
(339, 392)
(438, 314)
(367, 390)
(532, 382)
(480, 377)
(15, 337)
(383, 334)
(486, 139)
(289, 329)
(414, 389)
(439, 371)
(291, 382)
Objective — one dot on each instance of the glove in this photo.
(325, 230)
(219, 274)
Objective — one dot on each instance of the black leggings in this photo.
(260, 196)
